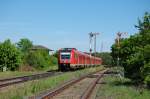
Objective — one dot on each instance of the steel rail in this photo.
(16, 80)
(90, 89)
(56, 91)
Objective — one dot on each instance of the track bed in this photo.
(16, 80)
(80, 88)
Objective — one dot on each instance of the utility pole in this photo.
(101, 50)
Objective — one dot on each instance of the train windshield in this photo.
(65, 55)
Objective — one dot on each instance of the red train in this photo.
(71, 58)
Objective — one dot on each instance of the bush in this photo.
(40, 59)
(10, 56)
(24, 45)
(36, 59)
(146, 68)
(146, 74)
(133, 67)
(106, 58)
(53, 60)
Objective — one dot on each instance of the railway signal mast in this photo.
(91, 35)
(118, 38)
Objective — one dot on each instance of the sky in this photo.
(67, 23)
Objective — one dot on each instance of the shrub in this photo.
(53, 60)
(146, 74)
(10, 56)
(146, 68)
(40, 59)
(24, 45)
(36, 59)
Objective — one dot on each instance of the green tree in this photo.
(106, 57)
(134, 52)
(10, 56)
(36, 59)
(24, 44)
(40, 59)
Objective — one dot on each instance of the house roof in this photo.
(36, 47)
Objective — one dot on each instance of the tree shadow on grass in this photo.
(135, 85)
(138, 85)
(125, 83)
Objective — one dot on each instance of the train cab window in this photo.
(65, 55)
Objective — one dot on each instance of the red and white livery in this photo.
(71, 58)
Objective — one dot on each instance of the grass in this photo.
(52, 67)
(35, 87)
(9, 74)
(117, 88)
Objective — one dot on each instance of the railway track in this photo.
(80, 88)
(16, 80)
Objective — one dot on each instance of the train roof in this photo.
(68, 49)
(87, 54)
(83, 53)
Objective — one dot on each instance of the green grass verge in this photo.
(117, 88)
(10, 74)
(48, 68)
(35, 87)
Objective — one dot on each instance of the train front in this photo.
(64, 58)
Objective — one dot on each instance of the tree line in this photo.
(134, 53)
(105, 56)
(14, 56)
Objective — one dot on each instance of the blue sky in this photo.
(66, 23)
